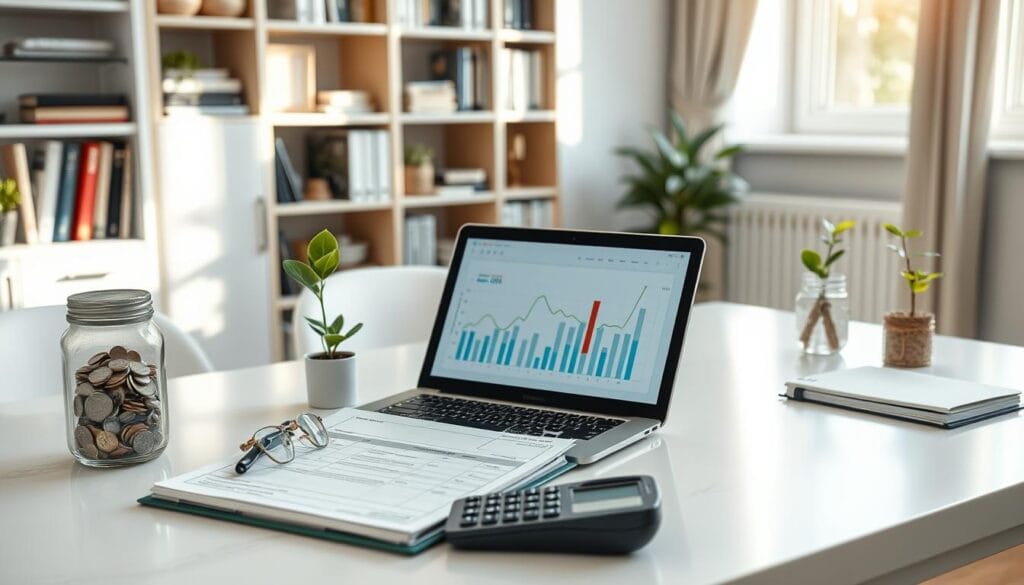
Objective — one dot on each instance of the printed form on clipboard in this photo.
(383, 477)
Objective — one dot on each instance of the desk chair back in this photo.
(30, 352)
(396, 305)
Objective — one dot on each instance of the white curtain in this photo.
(946, 158)
(709, 38)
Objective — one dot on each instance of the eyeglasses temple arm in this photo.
(250, 457)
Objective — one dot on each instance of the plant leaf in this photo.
(910, 276)
(702, 138)
(668, 152)
(811, 260)
(835, 256)
(321, 245)
(328, 264)
(828, 226)
(729, 151)
(679, 126)
(337, 324)
(316, 325)
(333, 339)
(928, 254)
(897, 249)
(893, 230)
(355, 329)
(919, 287)
(913, 233)
(843, 226)
(303, 274)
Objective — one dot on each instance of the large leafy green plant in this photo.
(322, 257)
(685, 192)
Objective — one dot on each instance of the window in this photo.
(1008, 92)
(854, 65)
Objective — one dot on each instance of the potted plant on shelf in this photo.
(180, 65)
(10, 198)
(822, 305)
(908, 336)
(419, 170)
(330, 374)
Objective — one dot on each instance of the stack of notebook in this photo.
(906, 395)
(73, 108)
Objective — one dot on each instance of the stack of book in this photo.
(421, 240)
(466, 67)
(73, 108)
(430, 97)
(322, 11)
(518, 14)
(58, 48)
(73, 190)
(460, 181)
(465, 14)
(209, 92)
(538, 213)
(525, 80)
(344, 102)
(355, 163)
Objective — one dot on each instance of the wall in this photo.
(612, 69)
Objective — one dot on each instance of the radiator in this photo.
(767, 231)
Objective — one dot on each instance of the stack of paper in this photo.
(908, 395)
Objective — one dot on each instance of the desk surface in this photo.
(754, 488)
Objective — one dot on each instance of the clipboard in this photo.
(424, 543)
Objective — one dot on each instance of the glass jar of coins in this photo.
(114, 382)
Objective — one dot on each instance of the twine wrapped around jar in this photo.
(908, 339)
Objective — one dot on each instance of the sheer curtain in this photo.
(709, 38)
(946, 157)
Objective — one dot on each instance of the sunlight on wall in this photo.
(757, 105)
(568, 58)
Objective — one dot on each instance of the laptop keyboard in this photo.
(502, 417)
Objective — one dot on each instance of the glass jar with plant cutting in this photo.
(823, 305)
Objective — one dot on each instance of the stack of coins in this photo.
(118, 406)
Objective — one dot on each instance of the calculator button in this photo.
(490, 519)
(468, 521)
(491, 509)
(510, 517)
(473, 500)
(551, 512)
(531, 514)
(532, 491)
(550, 489)
(511, 507)
(531, 506)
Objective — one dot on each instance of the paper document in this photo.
(394, 474)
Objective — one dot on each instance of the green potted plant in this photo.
(10, 198)
(180, 65)
(330, 374)
(908, 335)
(684, 193)
(419, 170)
(822, 305)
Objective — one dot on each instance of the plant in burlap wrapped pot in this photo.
(419, 170)
(822, 305)
(908, 336)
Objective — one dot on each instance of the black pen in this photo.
(269, 442)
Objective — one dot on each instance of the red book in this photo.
(85, 200)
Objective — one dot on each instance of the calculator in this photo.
(605, 516)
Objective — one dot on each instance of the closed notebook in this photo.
(907, 395)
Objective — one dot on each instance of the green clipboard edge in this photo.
(326, 533)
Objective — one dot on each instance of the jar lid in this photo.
(110, 307)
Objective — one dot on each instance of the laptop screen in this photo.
(582, 320)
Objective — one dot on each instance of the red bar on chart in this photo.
(590, 326)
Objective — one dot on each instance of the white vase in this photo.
(331, 383)
(8, 227)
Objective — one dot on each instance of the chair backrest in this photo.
(30, 349)
(396, 304)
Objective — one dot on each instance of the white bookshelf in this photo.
(46, 273)
(378, 57)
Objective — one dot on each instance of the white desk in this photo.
(754, 488)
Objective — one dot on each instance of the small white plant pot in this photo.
(331, 383)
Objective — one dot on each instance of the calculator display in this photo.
(603, 498)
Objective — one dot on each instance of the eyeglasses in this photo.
(278, 441)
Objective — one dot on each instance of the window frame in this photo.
(814, 52)
(1008, 82)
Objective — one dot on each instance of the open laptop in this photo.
(559, 333)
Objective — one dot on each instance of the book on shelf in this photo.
(344, 102)
(288, 286)
(85, 199)
(287, 179)
(430, 97)
(465, 14)
(453, 176)
(420, 240)
(36, 100)
(518, 14)
(58, 48)
(15, 165)
(209, 92)
(120, 196)
(466, 68)
(74, 114)
(102, 206)
(46, 172)
(355, 163)
(66, 192)
(525, 79)
(240, 110)
(321, 11)
(536, 213)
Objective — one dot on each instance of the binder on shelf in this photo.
(383, 165)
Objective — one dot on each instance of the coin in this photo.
(153, 419)
(116, 379)
(153, 404)
(112, 425)
(145, 441)
(152, 370)
(117, 395)
(100, 375)
(98, 406)
(134, 355)
(98, 358)
(130, 431)
(90, 451)
(85, 370)
(121, 451)
(126, 417)
(147, 390)
(118, 365)
(106, 441)
(118, 353)
(139, 368)
(79, 405)
(84, 389)
(82, 436)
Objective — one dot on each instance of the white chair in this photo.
(396, 305)
(30, 350)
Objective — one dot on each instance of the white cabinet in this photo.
(213, 236)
